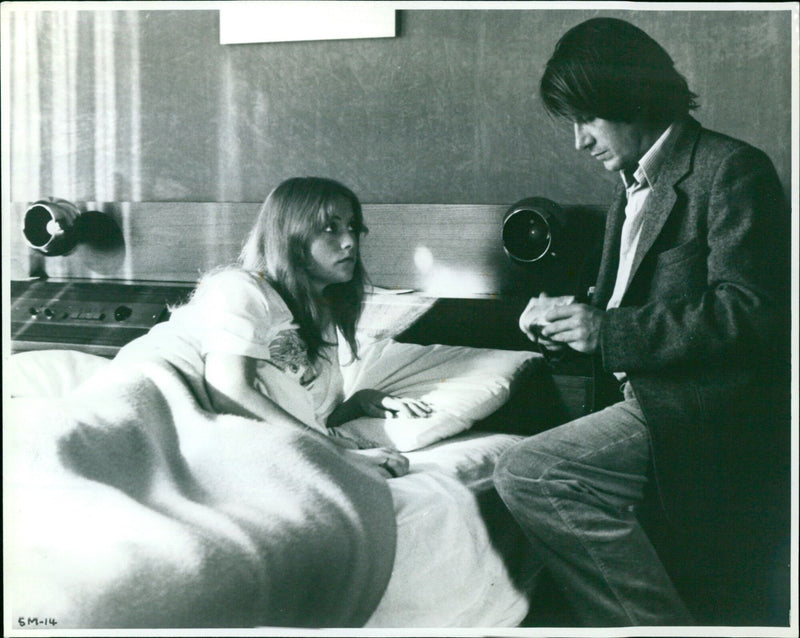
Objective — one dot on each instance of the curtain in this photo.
(74, 105)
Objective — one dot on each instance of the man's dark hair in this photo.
(610, 69)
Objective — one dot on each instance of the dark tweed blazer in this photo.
(703, 335)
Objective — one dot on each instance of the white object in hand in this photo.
(533, 317)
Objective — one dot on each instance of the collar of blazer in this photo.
(658, 207)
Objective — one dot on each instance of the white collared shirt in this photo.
(637, 191)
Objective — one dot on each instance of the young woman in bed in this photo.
(268, 326)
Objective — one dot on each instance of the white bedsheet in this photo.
(446, 572)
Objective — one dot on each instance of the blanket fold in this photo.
(133, 505)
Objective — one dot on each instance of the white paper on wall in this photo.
(296, 21)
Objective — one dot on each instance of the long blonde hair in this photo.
(278, 248)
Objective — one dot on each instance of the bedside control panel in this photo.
(145, 314)
(97, 317)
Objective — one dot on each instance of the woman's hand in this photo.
(380, 404)
(390, 463)
(374, 403)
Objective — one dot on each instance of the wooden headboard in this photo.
(443, 250)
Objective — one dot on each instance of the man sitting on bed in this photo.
(688, 329)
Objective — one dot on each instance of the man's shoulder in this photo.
(717, 141)
(708, 149)
(717, 144)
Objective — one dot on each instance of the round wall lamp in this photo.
(532, 229)
(49, 226)
(55, 227)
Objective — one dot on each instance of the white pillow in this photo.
(462, 384)
(50, 373)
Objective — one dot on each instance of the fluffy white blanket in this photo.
(129, 504)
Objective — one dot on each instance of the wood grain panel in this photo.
(451, 250)
(181, 240)
(447, 250)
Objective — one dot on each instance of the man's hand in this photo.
(532, 320)
(576, 325)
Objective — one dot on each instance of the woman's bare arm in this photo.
(230, 380)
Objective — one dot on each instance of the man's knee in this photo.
(520, 468)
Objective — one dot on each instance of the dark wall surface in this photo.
(445, 112)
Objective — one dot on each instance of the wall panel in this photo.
(146, 106)
(149, 106)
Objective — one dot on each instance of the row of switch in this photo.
(121, 313)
